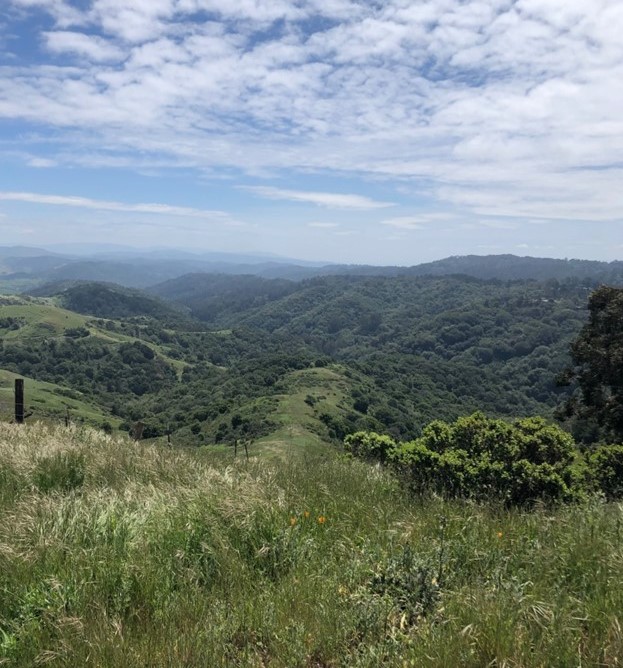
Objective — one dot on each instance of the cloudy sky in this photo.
(380, 131)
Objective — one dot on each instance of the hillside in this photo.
(410, 349)
(116, 554)
(50, 402)
(416, 347)
(99, 361)
(217, 298)
(23, 268)
(107, 300)
(513, 267)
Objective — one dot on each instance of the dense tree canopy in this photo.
(598, 355)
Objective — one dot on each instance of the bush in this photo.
(482, 458)
(369, 445)
(606, 465)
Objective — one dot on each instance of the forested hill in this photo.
(219, 297)
(22, 269)
(108, 300)
(390, 353)
(512, 267)
(420, 347)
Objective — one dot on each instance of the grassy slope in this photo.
(49, 401)
(117, 554)
(300, 430)
(43, 319)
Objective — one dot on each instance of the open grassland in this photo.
(38, 319)
(47, 401)
(119, 554)
(298, 429)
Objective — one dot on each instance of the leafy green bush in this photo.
(606, 465)
(369, 445)
(481, 458)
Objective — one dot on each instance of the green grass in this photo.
(121, 554)
(41, 319)
(300, 430)
(48, 401)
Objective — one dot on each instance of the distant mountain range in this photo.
(25, 268)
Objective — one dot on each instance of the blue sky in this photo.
(391, 132)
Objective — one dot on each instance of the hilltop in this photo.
(23, 268)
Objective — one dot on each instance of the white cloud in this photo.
(330, 200)
(121, 207)
(41, 162)
(416, 222)
(95, 48)
(499, 108)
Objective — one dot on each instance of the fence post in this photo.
(137, 431)
(19, 400)
(67, 417)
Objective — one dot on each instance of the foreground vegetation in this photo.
(117, 553)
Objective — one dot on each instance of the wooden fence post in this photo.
(138, 431)
(19, 400)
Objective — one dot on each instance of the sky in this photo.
(376, 131)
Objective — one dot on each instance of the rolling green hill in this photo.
(35, 319)
(108, 300)
(51, 402)
(412, 349)
(421, 347)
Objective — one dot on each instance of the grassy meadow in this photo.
(114, 553)
(48, 401)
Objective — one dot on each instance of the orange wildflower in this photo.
(322, 519)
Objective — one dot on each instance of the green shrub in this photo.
(606, 465)
(483, 458)
(408, 584)
(369, 445)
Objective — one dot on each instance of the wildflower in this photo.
(322, 519)
(292, 521)
(306, 514)
(500, 534)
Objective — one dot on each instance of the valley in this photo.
(344, 470)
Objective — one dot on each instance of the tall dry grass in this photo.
(121, 554)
